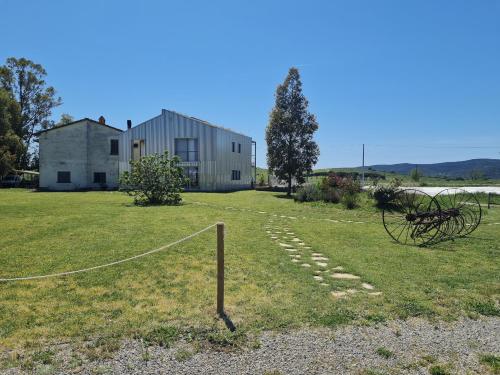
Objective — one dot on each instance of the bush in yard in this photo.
(308, 193)
(383, 195)
(350, 200)
(329, 189)
(154, 179)
(331, 195)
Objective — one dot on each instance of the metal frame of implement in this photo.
(414, 217)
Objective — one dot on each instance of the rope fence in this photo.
(67, 273)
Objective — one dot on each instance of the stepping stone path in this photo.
(319, 264)
(345, 276)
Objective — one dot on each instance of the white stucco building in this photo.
(88, 154)
(80, 155)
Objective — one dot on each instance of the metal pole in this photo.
(255, 161)
(220, 269)
(363, 168)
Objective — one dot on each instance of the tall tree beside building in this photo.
(10, 143)
(291, 150)
(25, 81)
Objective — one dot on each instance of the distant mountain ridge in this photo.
(490, 168)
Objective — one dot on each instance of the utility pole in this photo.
(363, 168)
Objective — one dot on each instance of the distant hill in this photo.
(489, 168)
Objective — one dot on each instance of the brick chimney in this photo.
(129, 124)
(102, 120)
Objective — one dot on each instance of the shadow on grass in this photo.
(228, 322)
(284, 196)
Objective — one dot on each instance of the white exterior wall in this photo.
(81, 148)
(215, 158)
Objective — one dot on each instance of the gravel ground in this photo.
(416, 345)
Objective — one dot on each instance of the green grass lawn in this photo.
(44, 233)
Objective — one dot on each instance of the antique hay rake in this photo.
(414, 217)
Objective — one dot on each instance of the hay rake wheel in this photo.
(409, 218)
(414, 217)
(466, 204)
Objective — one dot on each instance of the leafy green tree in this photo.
(291, 150)
(65, 119)
(25, 81)
(154, 179)
(10, 144)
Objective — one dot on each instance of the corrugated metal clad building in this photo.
(213, 157)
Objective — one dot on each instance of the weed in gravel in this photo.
(226, 338)
(163, 336)
(439, 370)
(183, 355)
(371, 372)
(384, 352)
(427, 360)
(492, 361)
(45, 357)
(102, 348)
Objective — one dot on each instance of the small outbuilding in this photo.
(80, 155)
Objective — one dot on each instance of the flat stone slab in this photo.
(338, 294)
(306, 265)
(375, 293)
(285, 245)
(307, 247)
(301, 243)
(345, 276)
(367, 286)
(321, 264)
(318, 258)
(295, 260)
(274, 237)
(317, 254)
(295, 239)
(323, 284)
(338, 268)
(351, 291)
(318, 278)
(290, 249)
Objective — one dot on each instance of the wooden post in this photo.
(220, 269)
(489, 200)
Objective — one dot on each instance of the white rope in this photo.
(112, 263)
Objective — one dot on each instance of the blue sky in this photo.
(417, 81)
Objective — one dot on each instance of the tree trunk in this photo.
(289, 191)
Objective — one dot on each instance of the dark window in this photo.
(234, 146)
(235, 175)
(99, 178)
(187, 149)
(192, 174)
(63, 177)
(239, 148)
(114, 147)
